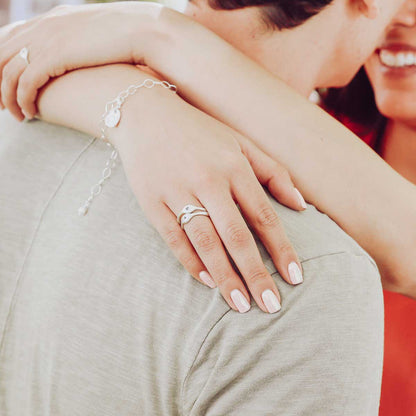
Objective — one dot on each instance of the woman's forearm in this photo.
(77, 99)
(334, 170)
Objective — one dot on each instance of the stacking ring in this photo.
(189, 212)
(24, 54)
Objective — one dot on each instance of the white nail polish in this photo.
(295, 273)
(240, 301)
(27, 115)
(270, 301)
(302, 201)
(207, 279)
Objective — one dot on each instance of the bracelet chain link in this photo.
(110, 119)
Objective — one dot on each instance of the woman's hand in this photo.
(190, 158)
(67, 38)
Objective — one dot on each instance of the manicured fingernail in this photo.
(240, 301)
(207, 279)
(271, 302)
(295, 273)
(301, 200)
(27, 115)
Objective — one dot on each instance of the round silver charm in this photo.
(112, 118)
(83, 210)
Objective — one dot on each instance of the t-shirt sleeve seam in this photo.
(197, 355)
(221, 318)
(338, 253)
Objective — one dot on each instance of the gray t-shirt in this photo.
(97, 317)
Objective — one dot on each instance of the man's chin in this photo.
(340, 80)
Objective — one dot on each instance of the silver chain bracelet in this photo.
(110, 119)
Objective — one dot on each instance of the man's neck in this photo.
(298, 59)
(399, 149)
(303, 57)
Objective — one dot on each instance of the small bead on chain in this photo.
(110, 119)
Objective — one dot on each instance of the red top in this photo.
(398, 391)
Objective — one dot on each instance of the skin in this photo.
(365, 23)
(394, 92)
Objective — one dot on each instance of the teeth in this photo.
(410, 59)
(397, 60)
(387, 58)
(401, 59)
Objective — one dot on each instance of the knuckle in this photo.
(285, 249)
(257, 275)
(188, 261)
(237, 235)
(173, 238)
(204, 240)
(221, 279)
(267, 217)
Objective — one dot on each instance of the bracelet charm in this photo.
(110, 119)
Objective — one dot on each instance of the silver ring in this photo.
(24, 54)
(188, 212)
(187, 217)
(188, 209)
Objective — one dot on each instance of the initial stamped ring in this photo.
(24, 54)
(189, 212)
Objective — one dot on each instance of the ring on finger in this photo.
(189, 209)
(188, 217)
(24, 54)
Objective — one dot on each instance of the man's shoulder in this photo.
(314, 234)
(258, 360)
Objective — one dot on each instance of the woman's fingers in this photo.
(242, 247)
(204, 238)
(272, 175)
(9, 50)
(31, 80)
(11, 74)
(165, 223)
(258, 210)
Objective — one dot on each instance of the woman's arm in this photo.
(175, 155)
(338, 174)
(334, 170)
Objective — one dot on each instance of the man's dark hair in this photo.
(279, 14)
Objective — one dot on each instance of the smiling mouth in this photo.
(399, 58)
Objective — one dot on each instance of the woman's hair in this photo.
(279, 14)
(357, 104)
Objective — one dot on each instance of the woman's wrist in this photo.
(71, 101)
(142, 111)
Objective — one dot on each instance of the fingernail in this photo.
(27, 115)
(295, 274)
(240, 301)
(301, 200)
(207, 279)
(2, 107)
(271, 302)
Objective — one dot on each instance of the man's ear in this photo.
(369, 8)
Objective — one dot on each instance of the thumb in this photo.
(272, 175)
